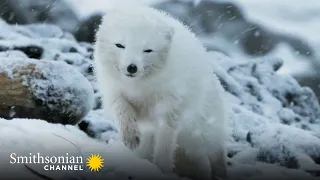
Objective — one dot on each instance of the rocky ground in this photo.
(48, 85)
(235, 27)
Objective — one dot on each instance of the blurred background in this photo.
(245, 30)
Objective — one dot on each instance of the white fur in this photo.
(174, 98)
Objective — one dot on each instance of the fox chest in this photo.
(146, 106)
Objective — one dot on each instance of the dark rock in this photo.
(98, 103)
(257, 41)
(68, 61)
(87, 28)
(90, 69)
(248, 138)
(83, 125)
(73, 50)
(11, 13)
(4, 48)
(31, 51)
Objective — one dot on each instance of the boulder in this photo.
(48, 90)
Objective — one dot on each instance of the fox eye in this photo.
(148, 51)
(120, 46)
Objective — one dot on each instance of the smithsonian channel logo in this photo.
(60, 163)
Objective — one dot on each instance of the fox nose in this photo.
(132, 68)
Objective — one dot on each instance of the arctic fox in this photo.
(160, 87)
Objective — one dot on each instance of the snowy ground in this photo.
(274, 123)
(21, 136)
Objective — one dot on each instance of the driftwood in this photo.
(19, 98)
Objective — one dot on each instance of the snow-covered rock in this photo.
(49, 90)
(274, 120)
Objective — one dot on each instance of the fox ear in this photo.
(169, 34)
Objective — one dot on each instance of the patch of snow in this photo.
(23, 136)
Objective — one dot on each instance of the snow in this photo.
(21, 136)
(274, 124)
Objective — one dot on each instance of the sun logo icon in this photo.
(95, 162)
